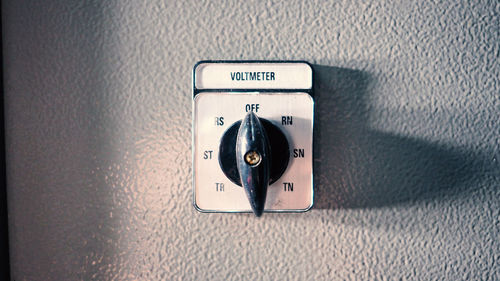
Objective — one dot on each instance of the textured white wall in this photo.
(98, 110)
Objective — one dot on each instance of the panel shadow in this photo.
(357, 167)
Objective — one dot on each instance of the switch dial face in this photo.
(280, 152)
(216, 112)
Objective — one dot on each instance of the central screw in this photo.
(252, 158)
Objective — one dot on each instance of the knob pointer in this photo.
(252, 160)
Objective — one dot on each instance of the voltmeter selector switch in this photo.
(252, 136)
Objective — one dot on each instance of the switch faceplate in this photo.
(278, 92)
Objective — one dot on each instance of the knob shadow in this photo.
(356, 166)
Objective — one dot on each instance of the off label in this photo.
(252, 107)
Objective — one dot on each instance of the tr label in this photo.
(219, 187)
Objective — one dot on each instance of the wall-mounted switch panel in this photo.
(253, 136)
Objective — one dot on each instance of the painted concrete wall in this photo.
(98, 110)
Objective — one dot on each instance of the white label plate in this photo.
(293, 75)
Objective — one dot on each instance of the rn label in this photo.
(286, 120)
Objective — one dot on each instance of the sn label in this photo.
(298, 153)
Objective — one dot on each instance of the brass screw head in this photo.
(252, 158)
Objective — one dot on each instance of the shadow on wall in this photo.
(357, 167)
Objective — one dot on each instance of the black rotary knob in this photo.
(254, 153)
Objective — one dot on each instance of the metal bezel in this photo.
(195, 93)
